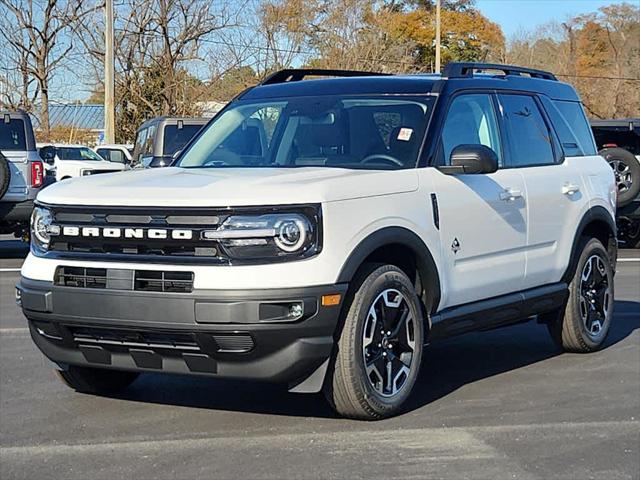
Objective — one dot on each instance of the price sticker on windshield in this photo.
(405, 134)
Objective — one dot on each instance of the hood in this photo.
(180, 187)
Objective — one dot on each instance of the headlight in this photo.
(278, 235)
(42, 228)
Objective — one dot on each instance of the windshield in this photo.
(12, 135)
(78, 153)
(175, 138)
(328, 131)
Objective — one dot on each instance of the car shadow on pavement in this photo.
(447, 366)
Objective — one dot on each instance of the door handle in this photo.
(570, 189)
(510, 194)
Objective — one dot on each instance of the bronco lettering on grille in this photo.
(111, 232)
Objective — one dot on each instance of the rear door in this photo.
(554, 187)
(483, 217)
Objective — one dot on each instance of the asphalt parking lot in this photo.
(494, 405)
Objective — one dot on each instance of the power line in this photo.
(629, 79)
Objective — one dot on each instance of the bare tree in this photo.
(43, 32)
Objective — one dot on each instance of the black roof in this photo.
(456, 76)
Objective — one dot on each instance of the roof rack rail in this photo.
(466, 69)
(296, 74)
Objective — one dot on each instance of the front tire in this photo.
(379, 350)
(587, 316)
(96, 380)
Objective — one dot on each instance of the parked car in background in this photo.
(116, 153)
(76, 161)
(619, 143)
(22, 173)
(158, 139)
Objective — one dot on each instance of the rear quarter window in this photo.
(12, 135)
(573, 114)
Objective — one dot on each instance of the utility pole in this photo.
(437, 36)
(109, 81)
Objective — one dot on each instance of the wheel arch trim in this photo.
(595, 214)
(396, 236)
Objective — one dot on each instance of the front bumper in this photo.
(232, 333)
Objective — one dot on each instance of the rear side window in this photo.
(176, 138)
(112, 155)
(530, 140)
(12, 135)
(573, 113)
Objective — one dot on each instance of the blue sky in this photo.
(513, 15)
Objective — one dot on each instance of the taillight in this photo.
(609, 145)
(37, 174)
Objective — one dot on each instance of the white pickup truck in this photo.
(71, 161)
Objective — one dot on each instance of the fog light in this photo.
(295, 311)
(18, 296)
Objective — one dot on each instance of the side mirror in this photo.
(159, 162)
(471, 159)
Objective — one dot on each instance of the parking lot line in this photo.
(9, 269)
(629, 259)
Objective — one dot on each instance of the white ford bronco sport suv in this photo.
(321, 233)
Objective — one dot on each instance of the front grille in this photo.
(161, 281)
(134, 339)
(122, 279)
(81, 277)
(162, 341)
(138, 222)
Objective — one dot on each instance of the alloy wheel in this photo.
(622, 174)
(595, 295)
(388, 343)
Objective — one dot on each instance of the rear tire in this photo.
(379, 350)
(587, 316)
(96, 380)
(5, 175)
(626, 169)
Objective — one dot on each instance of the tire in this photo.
(626, 168)
(350, 390)
(96, 380)
(5, 175)
(583, 326)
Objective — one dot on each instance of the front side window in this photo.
(12, 135)
(471, 120)
(327, 131)
(78, 153)
(529, 137)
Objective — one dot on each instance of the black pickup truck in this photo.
(619, 143)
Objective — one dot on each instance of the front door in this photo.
(483, 217)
